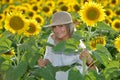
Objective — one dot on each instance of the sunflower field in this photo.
(23, 37)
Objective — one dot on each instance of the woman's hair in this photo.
(70, 28)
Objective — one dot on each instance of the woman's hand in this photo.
(89, 60)
(43, 62)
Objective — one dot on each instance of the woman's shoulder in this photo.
(82, 45)
(50, 38)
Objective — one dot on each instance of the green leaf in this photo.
(103, 26)
(15, 73)
(102, 55)
(74, 74)
(5, 45)
(3, 49)
(60, 47)
(113, 64)
(4, 66)
(78, 35)
(48, 72)
(93, 75)
(67, 47)
(101, 58)
(111, 73)
(103, 50)
(33, 59)
(1, 60)
(28, 44)
(6, 42)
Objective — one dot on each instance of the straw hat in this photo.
(60, 18)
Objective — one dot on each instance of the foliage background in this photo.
(21, 64)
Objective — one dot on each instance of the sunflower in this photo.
(15, 23)
(1, 25)
(117, 12)
(64, 7)
(30, 13)
(8, 54)
(39, 19)
(117, 43)
(50, 3)
(103, 2)
(34, 28)
(98, 40)
(108, 21)
(22, 9)
(75, 6)
(35, 1)
(109, 13)
(11, 8)
(26, 5)
(46, 10)
(2, 17)
(61, 2)
(35, 7)
(116, 24)
(113, 3)
(7, 1)
(91, 13)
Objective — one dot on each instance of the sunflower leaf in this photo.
(67, 47)
(102, 55)
(103, 26)
(74, 74)
(15, 73)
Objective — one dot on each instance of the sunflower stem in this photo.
(18, 49)
(84, 66)
(89, 34)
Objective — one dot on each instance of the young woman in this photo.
(63, 28)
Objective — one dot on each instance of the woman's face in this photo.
(61, 32)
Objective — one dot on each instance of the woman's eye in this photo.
(53, 26)
(60, 25)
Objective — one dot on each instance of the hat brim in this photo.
(50, 25)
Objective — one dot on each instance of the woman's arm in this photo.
(89, 59)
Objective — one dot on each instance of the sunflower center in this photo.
(76, 7)
(38, 20)
(93, 13)
(64, 8)
(0, 17)
(7, 1)
(45, 9)
(35, 8)
(31, 14)
(118, 12)
(8, 53)
(107, 13)
(85, 1)
(50, 4)
(117, 25)
(60, 3)
(31, 28)
(113, 1)
(16, 23)
(93, 44)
